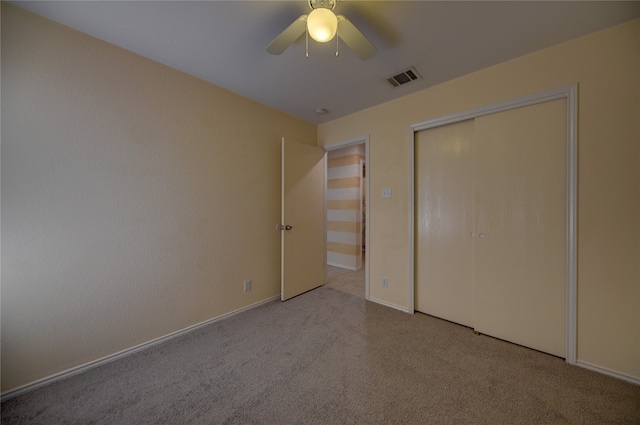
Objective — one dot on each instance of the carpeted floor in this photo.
(328, 357)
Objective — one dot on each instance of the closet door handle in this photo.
(472, 234)
(482, 235)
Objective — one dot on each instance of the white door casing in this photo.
(351, 142)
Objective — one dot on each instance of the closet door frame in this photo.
(570, 93)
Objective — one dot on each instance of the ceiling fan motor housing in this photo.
(322, 4)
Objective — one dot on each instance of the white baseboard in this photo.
(129, 351)
(388, 304)
(633, 379)
(107, 359)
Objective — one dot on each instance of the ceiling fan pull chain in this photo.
(306, 43)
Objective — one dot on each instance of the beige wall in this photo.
(135, 199)
(607, 67)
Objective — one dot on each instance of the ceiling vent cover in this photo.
(404, 77)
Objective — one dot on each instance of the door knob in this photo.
(482, 235)
(287, 227)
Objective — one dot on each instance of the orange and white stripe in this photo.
(344, 207)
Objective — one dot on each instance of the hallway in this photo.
(345, 280)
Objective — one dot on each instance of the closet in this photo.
(490, 224)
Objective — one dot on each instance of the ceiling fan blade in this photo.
(353, 38)
(288, 36)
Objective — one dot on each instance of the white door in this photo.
(444, 214)
(302, 220)
(491, 214)
(520, 209)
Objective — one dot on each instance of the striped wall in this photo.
(345, 192)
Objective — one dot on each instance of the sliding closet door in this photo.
(520, 211)
(444, 220)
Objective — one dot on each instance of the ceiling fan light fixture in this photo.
(322, 25)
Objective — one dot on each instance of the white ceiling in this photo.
(224, 42)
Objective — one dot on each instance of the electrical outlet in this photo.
(247, 285)
(385, 282)
(386, 193)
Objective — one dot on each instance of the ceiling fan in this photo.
(323, 25)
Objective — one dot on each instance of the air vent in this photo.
(404, 77)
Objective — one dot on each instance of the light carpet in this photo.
(327, 357)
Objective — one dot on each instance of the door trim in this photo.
(339, 145)
(570, 93)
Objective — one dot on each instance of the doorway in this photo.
(346, 213)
